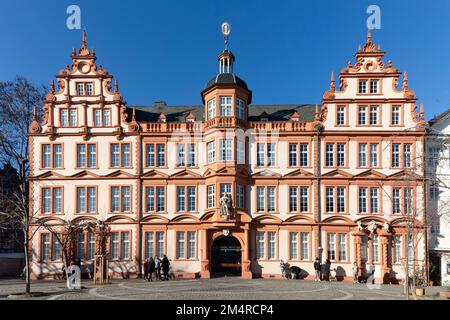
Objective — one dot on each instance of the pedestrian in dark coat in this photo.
(151, 268)
(317, 269)
(165, 264)
(328, 269)
(145, 266)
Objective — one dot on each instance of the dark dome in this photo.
(226, 78)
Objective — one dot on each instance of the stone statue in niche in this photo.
(225, 205)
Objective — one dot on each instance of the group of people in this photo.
(325, 270)
(154, 266)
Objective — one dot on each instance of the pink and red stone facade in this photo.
(301, 177)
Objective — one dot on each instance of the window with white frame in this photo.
(121, 199)
(340, 115)
(120, 248)
(293, 245)
(211, 109)
(72, 118)
(45, 246)
(375, 249)
(186, 155)
(298, 199)
(240, 196)
(362, 154)
(397, 249)
(395, 155)
(225, 150)
(240, 108)
(154, 199)
(293, 154)
(271, 252)
(102, 117)
(86, 200)
(240, 152)
(407, 196)
(329, 202)
(211, 196)
(373, 86)
(265, 199)
(373, 120)
(340, 199)
(362, 88)
(374, 200)
(260, 245)
(364, 248)
(211, 149)
(396, 200)
(120, 155)
(329, 155)
(86, 155)
(85, 89)
(155, 155)
(362, 120)
(342, 246)
(374, 155)
(181, 241)
(303, 154)
(410, 247)
(51, 156)
(407, 155)
(154, 243)
(266, 154)
(186, 199)
(362, 200)
(52, 200)
(395, 115)
(125, 245)
(304, 239)
(341, 154)
(331, 246)
(225, 106)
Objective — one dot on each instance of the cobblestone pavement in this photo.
(211, 289)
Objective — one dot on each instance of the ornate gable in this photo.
(337, 173)
(370, 174)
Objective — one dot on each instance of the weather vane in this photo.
(226, 29)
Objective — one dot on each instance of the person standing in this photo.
(165, 264)
(317, 269)
(355, 272)
(372, 272)
(151, 268)
(145, 266)
(283, 269)
(328, 269)
(157, 268)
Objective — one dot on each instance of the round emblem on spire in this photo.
(226, 29)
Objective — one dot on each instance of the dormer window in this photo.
(373, 86)
(362, 86)
(162, 117)
(225, 106)
(85, 89)
(240, 108)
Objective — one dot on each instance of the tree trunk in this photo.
(27, 265)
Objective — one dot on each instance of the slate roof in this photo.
(439, 117)
(276, 112)
(226, 78)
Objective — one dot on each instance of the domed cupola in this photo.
(226, 95)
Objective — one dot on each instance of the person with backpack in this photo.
(317, 269)
(165, 265)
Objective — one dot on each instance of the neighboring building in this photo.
(438, 168)
(11, 243)
(304, 180)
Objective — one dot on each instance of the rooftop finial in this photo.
(369, 46)
(52, 86)
(405, 81)
(83, 39)
(226, 29)
(316, 113)
(332, 87)
(116, 86)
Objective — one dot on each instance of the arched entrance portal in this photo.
(226, 257)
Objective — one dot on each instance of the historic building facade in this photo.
(229, 186)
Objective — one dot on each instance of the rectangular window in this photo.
(303, 154)
(271, 198)
(240, 108)
(160, 199)
(375, 249)
(293, 245)
(364, 248)
(64, 117)
(340, 117)
(80, 89)
(46, 200)
(304, 238)
(373, 155)
(260, 245)
(397, 249)
(181, 152)
(160, 244)
(341, 154)
(115, 199)
(211, 196)
(191, 245)
(410, 243)
(260, 198)
(395, 155)
(191, 199)
(149, 244)
(150, 155)
(407, 194)
(292, 154)
(373, 86)
(90, 246)
(211, 109)
(186, 199)
(51, 156)
(374, 200)
(211, 146)
(362, 86)
(56, 248)
(225, 150)
(125, 245)
(271, 252)
(80, 246)
(331, 245)
(161, 160)
(329, 199)
(396, 200)
(395, 115)
(373, 115)
(181, 245)
(181, 199)
(86, 155)
(362, 155)
(340, 199)
(225, 106)
(225, 187)
(46, 156)
(240, 196)
(114, 245)
(303, 199)
(45, 246)
(126, 199)
(293, 199)
(89, 89)
(407, 155)
(363, 200)
(260, 154)
(57, 155)
(191, 161)
(57, 200)
(121, 199)
(73, 117)
(329, 155)
(86, 199)
(102, 118)
(342, 247)
(362, 115)
(271, 154)
(120, 155)
(240, 152)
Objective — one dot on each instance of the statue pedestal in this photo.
(205, 273)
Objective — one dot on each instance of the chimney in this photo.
(160, 104)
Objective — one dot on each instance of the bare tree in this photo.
(18, 99)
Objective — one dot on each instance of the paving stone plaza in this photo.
(212, 289)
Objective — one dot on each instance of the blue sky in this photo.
(285, 50)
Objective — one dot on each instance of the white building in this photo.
(439, 198)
